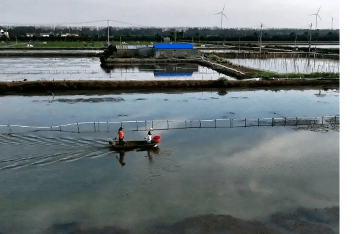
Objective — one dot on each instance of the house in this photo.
(44, 34)
(161, 50)
(175, 50)
(69, 35)
(125, 50)
(4, 34)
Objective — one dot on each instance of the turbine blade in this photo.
(319, 17)
(224, 15)
(318, 10)
(223, 7)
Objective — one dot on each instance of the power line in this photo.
(68, 23)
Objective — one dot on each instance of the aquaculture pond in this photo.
(18, 69)
(200, 180)
(291, 65)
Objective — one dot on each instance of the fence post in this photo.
(200, 122)
(296, 122)
(272, 122)
(98, 127)
(245, 122)
(322, 120)
(152, 123)
(258, 122)
(94, 124)
(107, 127)
(10, 128)
(285, 121)
(215, 123)
(185, 124)
(145, 125)
(60, 128)
(78, 128)
(167, 125)
(137, 126)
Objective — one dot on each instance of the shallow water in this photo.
(58, 182)
(18, 69)
(291, 65)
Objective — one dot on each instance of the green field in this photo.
(54, 44)
(63, 44)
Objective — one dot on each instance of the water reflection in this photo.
(235, 173)
(159, 70)
(150, 152)
(91, 69)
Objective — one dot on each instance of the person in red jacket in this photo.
(121, 136)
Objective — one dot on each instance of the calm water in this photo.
(60, 182)
(90, 69)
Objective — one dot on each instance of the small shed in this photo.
(175, 50)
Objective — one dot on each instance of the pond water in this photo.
(66, 182)
(291, 65)
(13, 69)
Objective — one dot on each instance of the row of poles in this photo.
(170, 124)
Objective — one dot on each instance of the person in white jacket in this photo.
(149, 136)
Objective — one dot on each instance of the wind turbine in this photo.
(332, 22)
(222, 14)
(317, 15)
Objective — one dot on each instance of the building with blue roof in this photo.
(175, 50)
(158, 50)
(173, 46)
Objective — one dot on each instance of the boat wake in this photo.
(29, 150)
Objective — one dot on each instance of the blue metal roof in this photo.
(163, 74)
(173, 46)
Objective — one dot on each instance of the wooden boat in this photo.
(131, 145)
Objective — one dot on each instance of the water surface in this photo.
(66, 182)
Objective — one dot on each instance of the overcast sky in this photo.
(172, 13)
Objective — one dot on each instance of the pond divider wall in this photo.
(99, 86)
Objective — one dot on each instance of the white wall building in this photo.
(4, 34)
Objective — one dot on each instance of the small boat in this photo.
(130, 145)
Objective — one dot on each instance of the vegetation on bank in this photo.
(49, 87)
(296, 75)
(53, 44)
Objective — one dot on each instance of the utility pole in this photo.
(261, 38)
(239, 46)
(310, 38)
(295, 42)
(108, 31)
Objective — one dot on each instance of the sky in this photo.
(172, 13)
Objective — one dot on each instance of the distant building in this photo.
(166, 39)
(4, 34)
(161, 50)
(44, 34)
(30, 34)
(175, 50)
(69, 35)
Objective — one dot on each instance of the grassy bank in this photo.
(64, 44)
(314, 75)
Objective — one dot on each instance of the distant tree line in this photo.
(180, 34)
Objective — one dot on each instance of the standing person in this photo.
(149, 136)
(121, 136)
